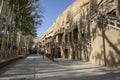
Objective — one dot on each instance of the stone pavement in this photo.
(34, 67)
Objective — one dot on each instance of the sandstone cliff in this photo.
(62, 19)
(71, 13)
(91, 33)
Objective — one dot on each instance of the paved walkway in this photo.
(35, 68)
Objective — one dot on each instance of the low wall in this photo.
(50, 56)
(9, 61)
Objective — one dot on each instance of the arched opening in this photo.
(75, 34)
(58, 53)
(60, 38)
(66, 38)
(70, 37)
(66, 53)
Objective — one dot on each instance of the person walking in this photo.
(42, 53)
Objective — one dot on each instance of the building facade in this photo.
(90, 34)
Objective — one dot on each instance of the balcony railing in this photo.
(101, 9)
(113, 22)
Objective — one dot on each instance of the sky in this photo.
(52, 9)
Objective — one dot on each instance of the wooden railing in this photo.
(113, 21)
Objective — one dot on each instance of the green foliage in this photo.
(28, 14)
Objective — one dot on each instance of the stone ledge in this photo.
(9, 61)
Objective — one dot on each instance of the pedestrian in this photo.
(42, 53)
(39, 52)
(30, 51)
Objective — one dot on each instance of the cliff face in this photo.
(87, 30)
(62, 20)
(72, 11)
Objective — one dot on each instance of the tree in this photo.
(27, 17)
(2, 12)
(24, 16)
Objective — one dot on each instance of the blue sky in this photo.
(52, 8)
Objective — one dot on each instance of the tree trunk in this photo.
(2, 12)
(4, 39)
(18, 41)
(10, 36)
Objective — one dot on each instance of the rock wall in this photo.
(87, 30)
(106, 47)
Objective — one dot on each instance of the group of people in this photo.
(32, 51)
(35, 51)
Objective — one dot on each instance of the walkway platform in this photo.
(34, 67)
